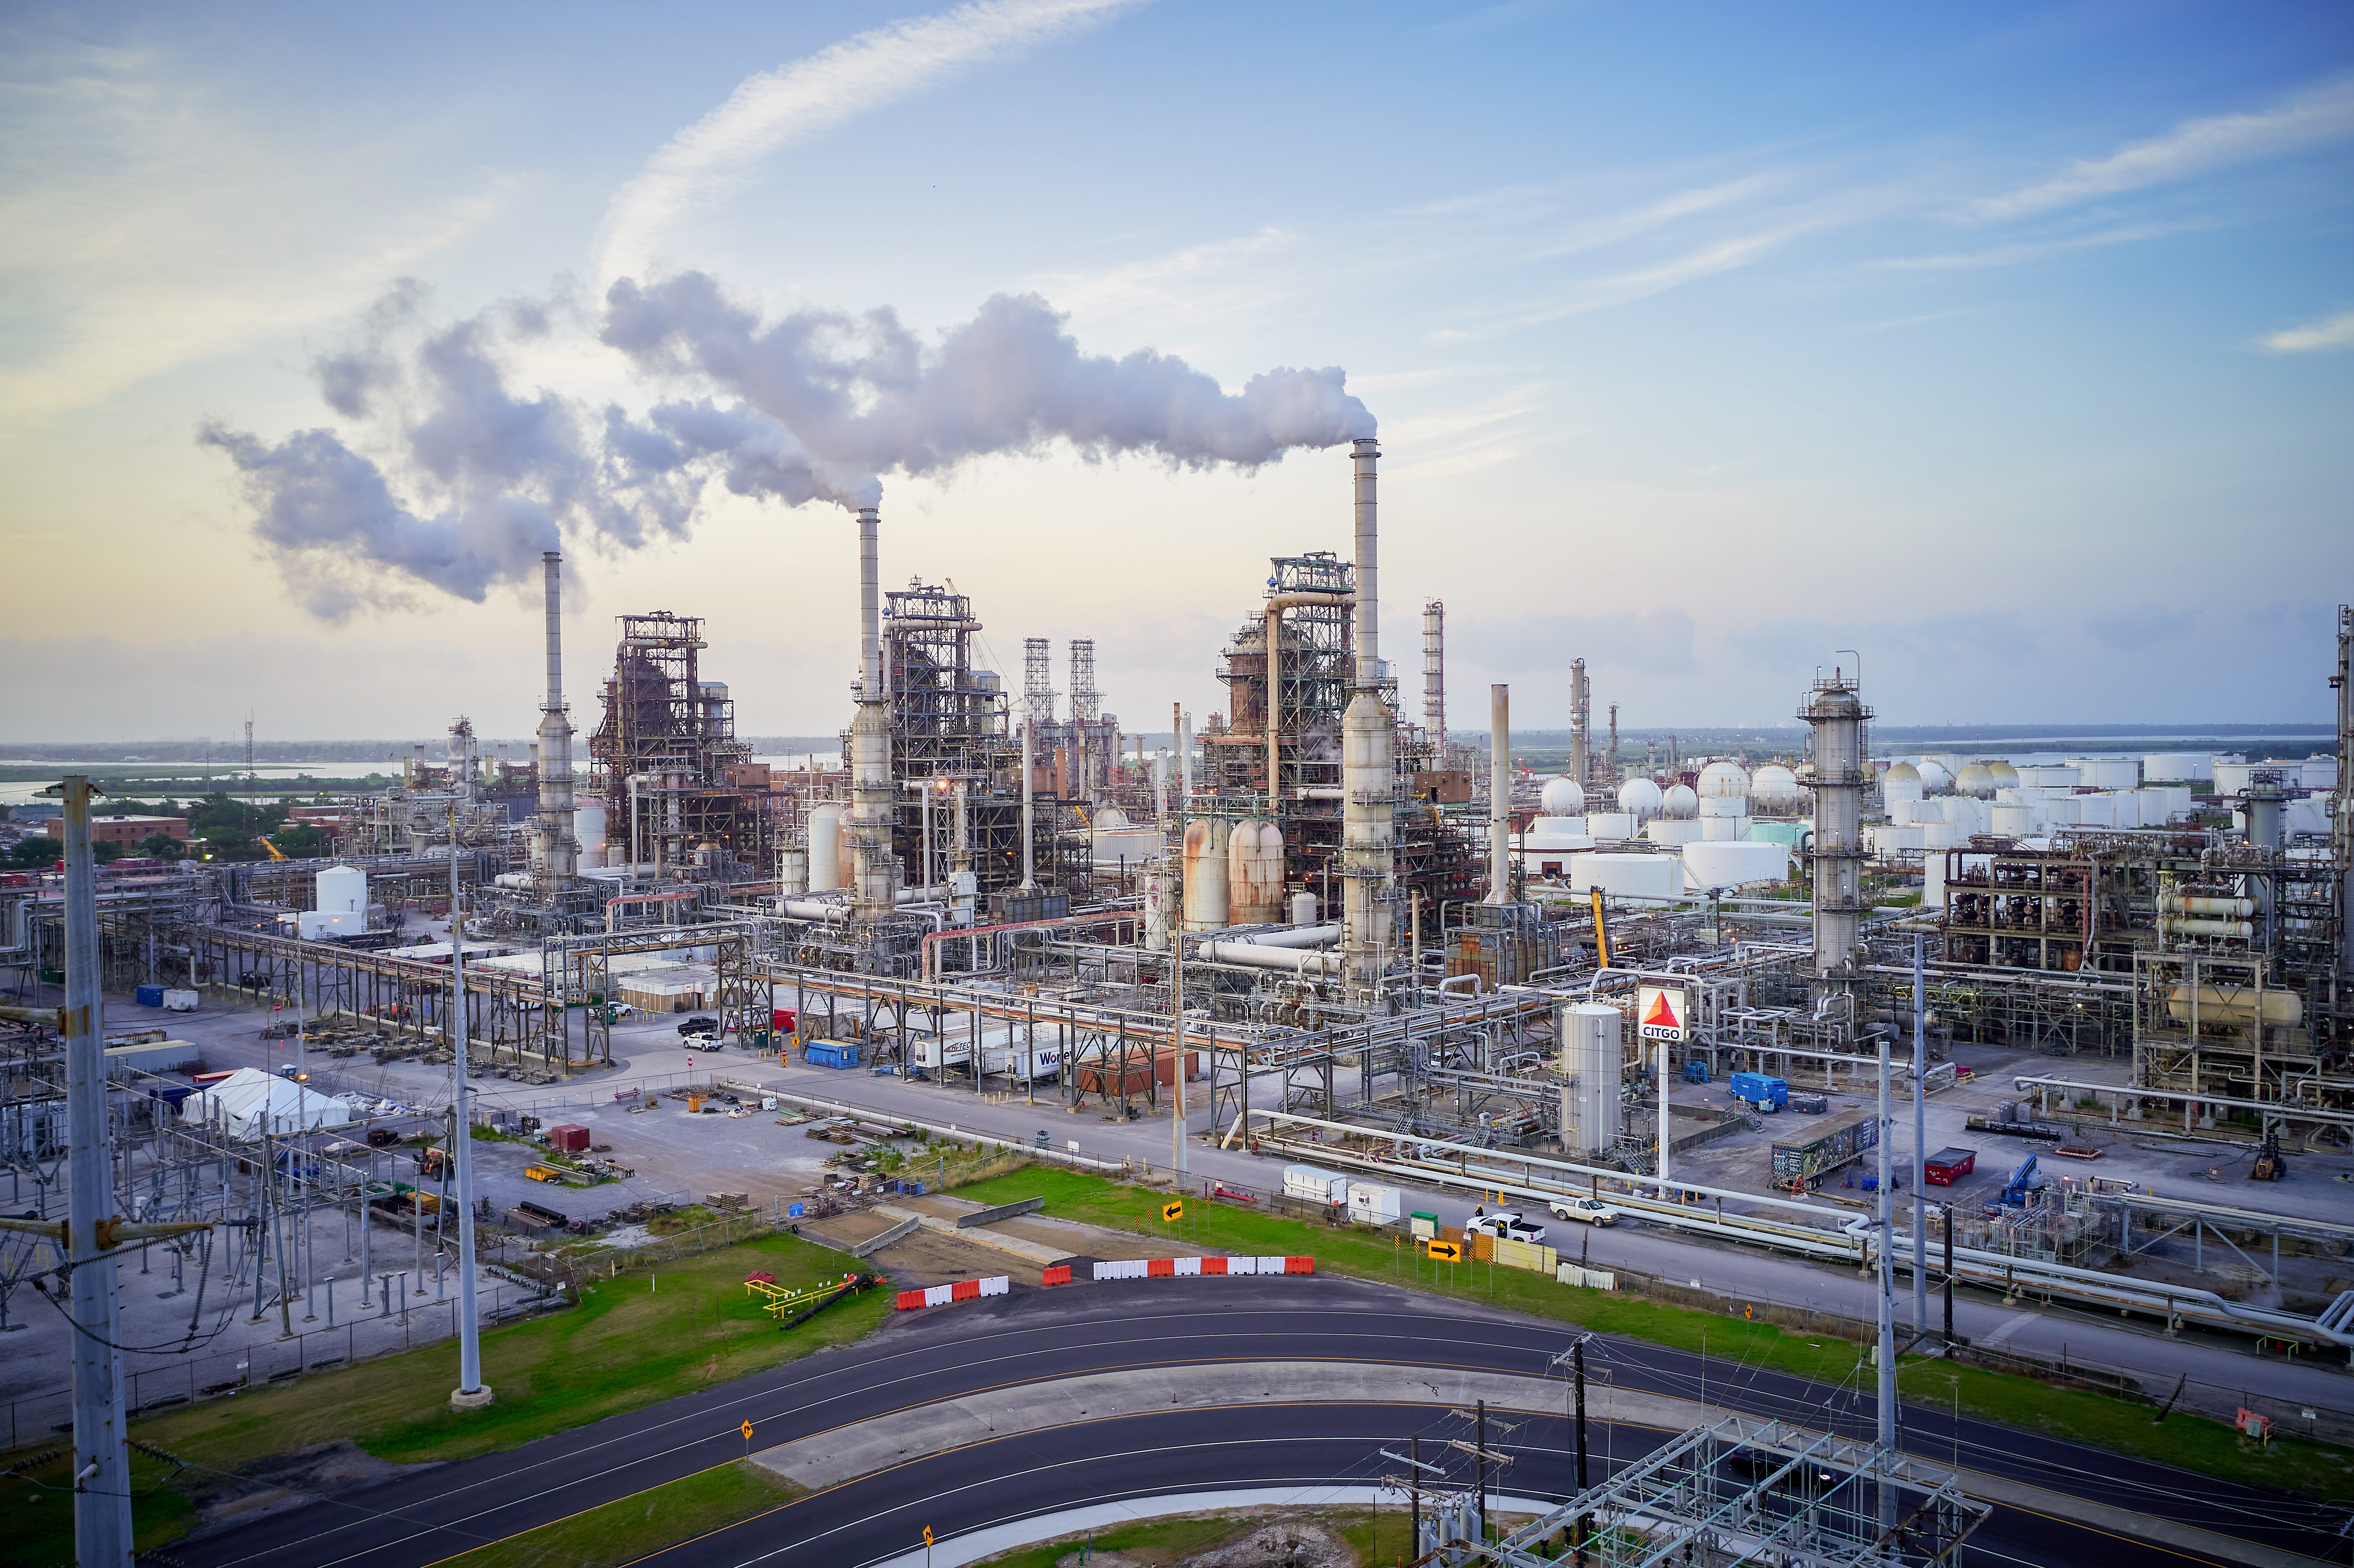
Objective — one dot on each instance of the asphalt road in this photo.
(1032, 1335)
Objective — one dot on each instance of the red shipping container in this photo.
(781, 1019)
(569, 1137)
(1947, 1166)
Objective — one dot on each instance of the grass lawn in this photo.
(1154, 1541)
(627, 1528)
(634, 1342)
(2192, 1442)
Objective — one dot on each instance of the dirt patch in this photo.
(321, 1471)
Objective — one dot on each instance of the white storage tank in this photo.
(2014, 821)
(1153, 888)
(1561, 798)
(1775, 789)
(825, 847)
(1628, 875)
(1640, 799)
(1205, 873)
(1723, 830)
(1934, 777)
(1609, 825)
(1974, 778)
(589, 827)
(1901, 782)
(1724, 780)
(342, 890)
(1680, 803)
(1672, 829)
(2050, 777)
(1254, 875)
(1593, 1071)
(2005, 776)
(2178, 766)
(2107, 772)
(1718, 864)
(1303, 909)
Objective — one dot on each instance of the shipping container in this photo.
(1804, 1159)
(149, 996)
(570, 1138)
(1372, 1205)
(1759, 1092)
(832, 1053)
(1315, 1184)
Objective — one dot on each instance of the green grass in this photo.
(627, 1528)
(636, 1341)
(1154, 1541)
(2192, 1442)
(39, 1518)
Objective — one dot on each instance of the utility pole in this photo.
(1920, 1145)
(1177, 1150)
(101, 1461)
(470, 1394)
(1886, 1226)
(1575, 1356)
(1479, 1471)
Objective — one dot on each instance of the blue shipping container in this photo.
(151, 996)
(1759, 1092)
(832, 1053)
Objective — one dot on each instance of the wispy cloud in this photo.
(805, 97)
(2323, 336)
(2324, 113)
(147, 223)
(2035, 250)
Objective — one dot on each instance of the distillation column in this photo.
(875, 873)
(1368, 848)
(1836, 776)
(1434, 675)
(554, 851)
(1500, 795)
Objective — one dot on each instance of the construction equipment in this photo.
(2269, 1165)
(275, 853)
(2023, 1185)
(792, 1308)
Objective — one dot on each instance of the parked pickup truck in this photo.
(1506, 1223)
(1592, 1210)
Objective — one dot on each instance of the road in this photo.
(1007, 1342)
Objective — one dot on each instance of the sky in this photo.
(2006, 348)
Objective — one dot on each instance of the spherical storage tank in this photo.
(1901, 782)
(1934, 777)
(1723, 779)
(1974, 778)
(342, 890)
(1775, 787)
(1680, 803)
(1638, 797)
(1561, 798)
(2005, 776)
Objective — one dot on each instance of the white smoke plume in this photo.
(835, 400)
(443, 476)
(469, 482)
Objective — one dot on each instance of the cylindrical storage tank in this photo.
(1609, 825)
(1303, 909)
(793, 873)
(825, 847)
(1254, 875)
(1723, 830)
(1640, 799)
(1724, 779)
(589, 827)
(1153, 888)
(1680, 803)
(342, 890)
(1775, 787)
(1561, 798)
(1722, 806)
(1673, 830)
(1974, 778)
(2014, 821)
(1901, 782)
(2178, 766)
(1205, 873)
(1592, 1066)
(1934, 777)
(1721, 864)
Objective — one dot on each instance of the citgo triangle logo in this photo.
(1660, 1010)
(1662, 1014)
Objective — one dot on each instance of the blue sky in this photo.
(2011, 345)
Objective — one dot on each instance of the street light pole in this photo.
(470, 1392)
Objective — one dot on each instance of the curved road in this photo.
(1005, 1343)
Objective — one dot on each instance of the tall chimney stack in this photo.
(556, 852)
(1500, 794)
(1368, 842)
(875, 873)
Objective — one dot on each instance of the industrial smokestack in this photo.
(1434, 675)
(1500, 794)
(1368, 844)
(556, 851)
(876, 866)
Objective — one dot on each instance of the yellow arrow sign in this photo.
(747, 1432)
(927, 1535)
(1172, 1211)
(1446, 1251)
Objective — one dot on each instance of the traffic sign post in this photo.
(1172, 1212)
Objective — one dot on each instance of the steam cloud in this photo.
(454, 481)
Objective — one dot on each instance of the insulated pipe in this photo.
(1276, 605)
(1500, 794)
(1290, 936)
(1256, 955)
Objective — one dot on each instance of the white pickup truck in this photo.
(1592, 1210)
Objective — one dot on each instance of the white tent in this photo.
(249, 1101)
